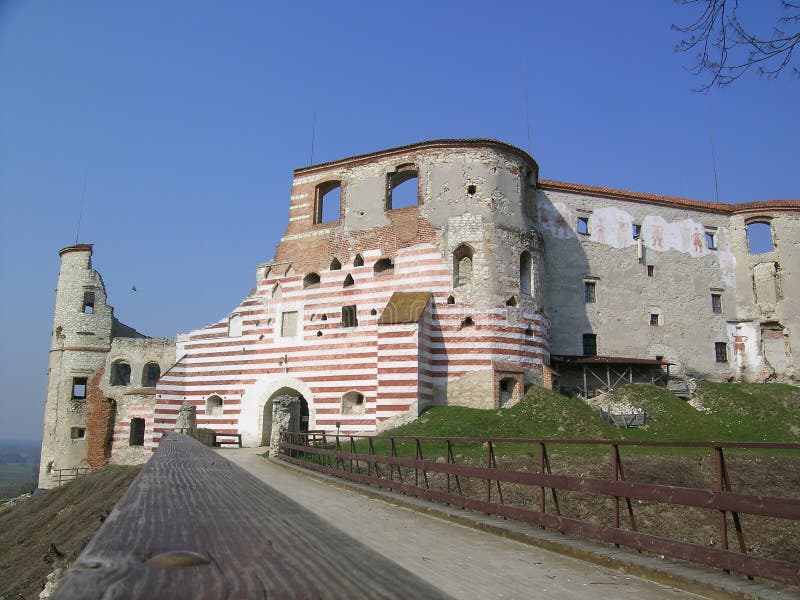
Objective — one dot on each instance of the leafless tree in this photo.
(726, 49)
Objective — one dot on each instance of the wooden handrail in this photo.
(194, 525)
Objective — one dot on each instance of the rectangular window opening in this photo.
(651, 270)
(721, 352)
(716, 303)
(137, 432)
(655, 319)
(711, 239)
(328, 202)
(88, 302)
(589, 344)
(79, 388)
(77, 433)
(636, 231)
(349, 316)
(589, 291)
(583, 225)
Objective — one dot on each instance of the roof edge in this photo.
(441, 143)
(671, 201)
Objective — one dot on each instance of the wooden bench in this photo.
(219, 443)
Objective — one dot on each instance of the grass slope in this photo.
(740, 412)
(51, 529)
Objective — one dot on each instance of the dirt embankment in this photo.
(51, 529)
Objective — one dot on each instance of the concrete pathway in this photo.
(460, 561)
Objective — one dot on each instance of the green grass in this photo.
(740, 412)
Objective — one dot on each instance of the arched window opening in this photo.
(328, 202)
(311, 281)
(336, 265)
(348, 281)
(358, 261)
(353, 403)
(136, 437)
(235, 325)
(213, 405)
(324, 317)
(462, 265)
(277, 291)
(120, 373)
(525, 272)
(529, 331)
(150, 374)
(511, 301)
(88, 302)
(402, 187)
(349, 316)
(468, 322)
(451, 300)
(759, 237)
(373, 312)
(384, 265)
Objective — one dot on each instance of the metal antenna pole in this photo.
(83, 200)
(527, 115)
(313, 135)
(713, 153)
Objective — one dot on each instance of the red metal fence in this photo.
(443, 480)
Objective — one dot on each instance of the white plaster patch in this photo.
(556, 219)
(686, 236)
(612, 226)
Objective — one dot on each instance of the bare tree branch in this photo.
(726, 49)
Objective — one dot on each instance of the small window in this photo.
(214, 406)
(88, 302)
(349, 316)
(358, 261)
(77, 433)
(336, 265)
(468, 322)
(589, 292)
(150, 374)
(328, 202)
(711, 239)
(716, 303)
(311, 281)
(525, 272)
(277, 291)
(512, 302)
(120, 373)
(636, 231)
(402, 188)
(655, 319)
(529, 331)
(79, 388)
(651, 270)
(384, 265)
(759, 237)
(451, 300)
(589, 344)
(583, 225)
(462, 265)
(348, 281)
(373, 313)
(289, 324)
(353, 403)
(721, 352)
(137, 432)
(235, 325)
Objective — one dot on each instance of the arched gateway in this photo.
(256, 421)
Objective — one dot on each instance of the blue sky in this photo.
(180, 123)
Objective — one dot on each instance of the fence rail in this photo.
(355, 458)
(61, 476)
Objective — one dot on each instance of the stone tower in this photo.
(80, 340)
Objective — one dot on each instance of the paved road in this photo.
(460, 561)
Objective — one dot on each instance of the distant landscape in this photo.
(19, 466)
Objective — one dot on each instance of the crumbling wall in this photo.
(100, 413)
